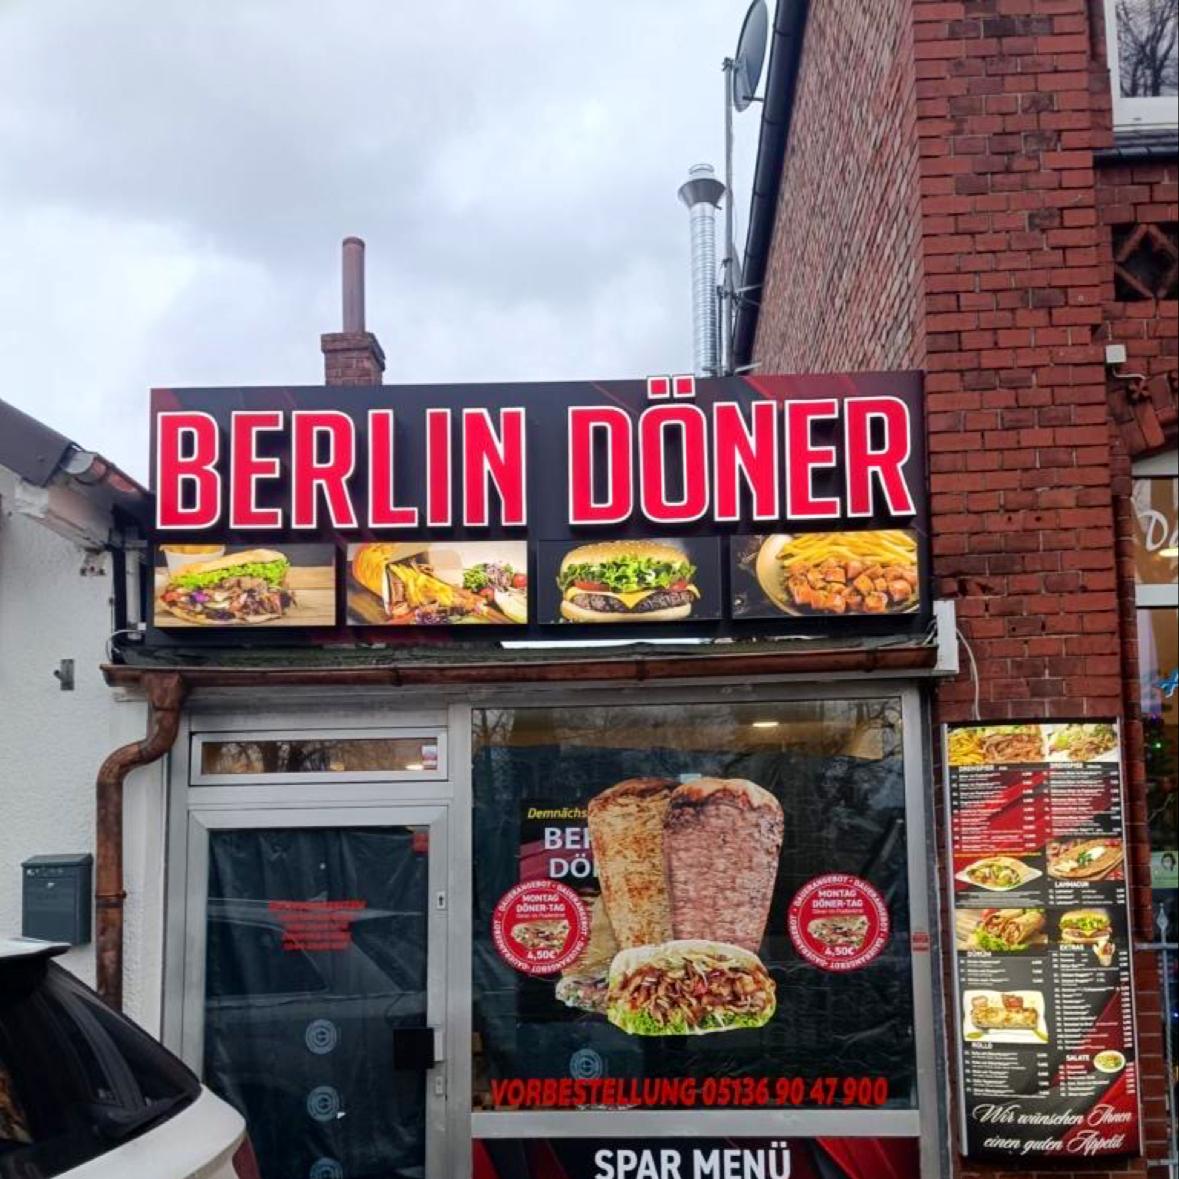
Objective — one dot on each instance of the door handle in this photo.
(416, 1050)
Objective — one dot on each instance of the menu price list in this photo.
(1041, 937)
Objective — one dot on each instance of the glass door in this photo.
(314, 982)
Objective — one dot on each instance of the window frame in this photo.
(1133, 113)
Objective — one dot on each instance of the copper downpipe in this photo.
(165, 694)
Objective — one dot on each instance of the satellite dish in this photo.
(751, 54)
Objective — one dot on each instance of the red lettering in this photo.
(438, 495)
(586, 423)
(309, 475)
(866, 466)
(498, 459)
(690, 424)
(803, 458)
(532, 1090)
(744, 455)
(382, 511)
(248, 468)
(187, 446)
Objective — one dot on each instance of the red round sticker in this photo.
(540, 926)
(838, 922)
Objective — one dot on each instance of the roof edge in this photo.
(777, 112)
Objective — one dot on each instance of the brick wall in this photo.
(352, 358)
(842, 288)
(1013, 269)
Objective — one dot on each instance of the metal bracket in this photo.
(64, 674)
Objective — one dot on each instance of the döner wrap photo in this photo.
(688, 988)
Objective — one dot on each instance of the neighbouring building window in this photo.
(1155, 502)
(1141, 36)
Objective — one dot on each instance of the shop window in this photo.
(280, 755)
(1143, 62)
(1146, 261)
(690, 889)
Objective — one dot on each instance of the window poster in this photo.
(1042, 940)
(692, 908)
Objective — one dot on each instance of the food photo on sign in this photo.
(443, 583)
(214, 585)
(660, 580)
(696, 970)
(825, 574)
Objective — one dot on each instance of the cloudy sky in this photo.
(175, 179)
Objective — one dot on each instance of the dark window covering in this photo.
(301, 1041)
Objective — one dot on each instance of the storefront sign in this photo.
(792, 499)
(1044, 997)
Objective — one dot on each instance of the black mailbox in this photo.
(56, 899)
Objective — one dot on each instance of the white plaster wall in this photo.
(52, 742)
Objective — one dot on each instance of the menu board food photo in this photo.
(1041, 939)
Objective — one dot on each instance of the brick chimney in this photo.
(352, 356)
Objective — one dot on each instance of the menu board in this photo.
(1042, 943)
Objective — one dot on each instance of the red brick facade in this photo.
(352, 358)
(1006, 298)
(848, 227)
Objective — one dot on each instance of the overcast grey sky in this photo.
(175, 179)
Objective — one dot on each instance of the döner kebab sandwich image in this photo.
(626, 581)
(239, 588)
(840, 929)
(541, 934)
(584, 982)
(688, 987)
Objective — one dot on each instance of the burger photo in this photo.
(1084, 927)
(626, 581)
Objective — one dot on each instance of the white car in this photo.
(85, 1093)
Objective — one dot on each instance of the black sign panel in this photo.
(787, 503)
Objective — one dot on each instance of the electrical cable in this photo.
(973, 672)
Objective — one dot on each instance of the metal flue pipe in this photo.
(702, 195)
(353, 284)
